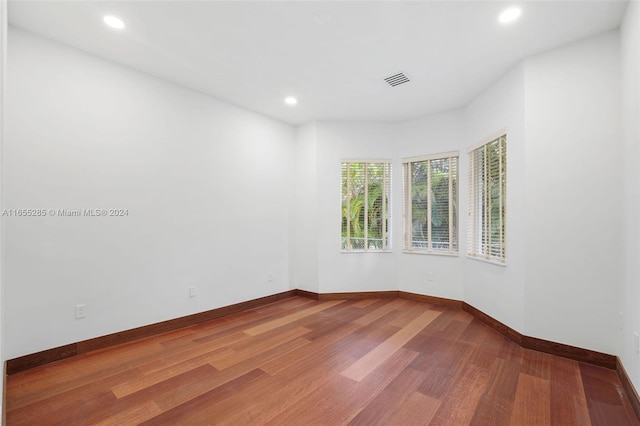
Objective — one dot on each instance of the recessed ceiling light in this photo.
(290, 100)
(509, 15)
(113, 22)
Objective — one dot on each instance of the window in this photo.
(487, 201)
(431, 204)
(366, 197)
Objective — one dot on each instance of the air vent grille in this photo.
(396, 79)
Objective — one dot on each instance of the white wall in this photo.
(431, 135)
(573, 194)
(630, 294)
(494, 289)
(3, 66)
(207, 186)
(304, 235)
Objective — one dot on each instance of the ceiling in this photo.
(332, 55)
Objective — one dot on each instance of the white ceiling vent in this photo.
(396, 79)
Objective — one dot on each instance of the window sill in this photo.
(485, 260)
(435, 253)
(364, 251)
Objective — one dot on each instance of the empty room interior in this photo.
(320, 212)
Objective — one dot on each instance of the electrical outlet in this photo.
(636, 342)
(192, 291)
(270, 277)
(80, 311)
(429, 276)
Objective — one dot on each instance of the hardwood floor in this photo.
(300, 361)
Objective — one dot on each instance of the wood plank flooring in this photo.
(300, 361)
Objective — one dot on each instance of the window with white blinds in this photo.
(486, 236)
(366, 201)
(431, 203)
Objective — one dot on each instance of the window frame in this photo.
(479, 239)
(407, 208)
(386, 200)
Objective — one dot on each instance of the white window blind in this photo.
(431, 204)
(366, 200)
(486, 236)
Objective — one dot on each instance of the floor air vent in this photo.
(397, 79)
